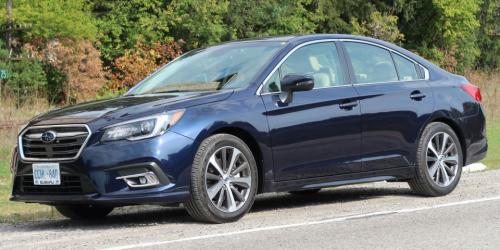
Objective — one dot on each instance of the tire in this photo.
(210, 200)
(305, 192)
(84, 212)
(431, 161)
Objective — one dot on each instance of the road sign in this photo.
(3, 74)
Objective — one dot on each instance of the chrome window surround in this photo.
(20, 143)
(259, 90)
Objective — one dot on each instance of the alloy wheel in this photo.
(442, 159)
(228, 179)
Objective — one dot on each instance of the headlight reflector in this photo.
(142, 128)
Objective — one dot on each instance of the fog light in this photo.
(147, 179)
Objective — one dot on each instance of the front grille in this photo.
(67, 145)
(70, 184)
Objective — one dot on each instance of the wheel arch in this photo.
(246, 137)
(455, 127)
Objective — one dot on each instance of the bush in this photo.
(136, 64)
(26, 78)
(74, 68)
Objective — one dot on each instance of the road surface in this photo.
(369, 216)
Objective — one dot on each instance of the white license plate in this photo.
(46, 174)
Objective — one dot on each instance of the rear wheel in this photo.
(84, 212)
(223, 180)
(440, 161)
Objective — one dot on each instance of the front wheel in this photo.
(84, 212)
(224, 180)
(439, 161)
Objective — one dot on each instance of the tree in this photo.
(25, 77)
(138, 63)
(79, 72)
(445, 32)
(48, 19)
(267, 18)
(380, 26)
(123, 24)
(488, 35)
(197, 23)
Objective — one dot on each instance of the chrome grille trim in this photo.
(25, 142)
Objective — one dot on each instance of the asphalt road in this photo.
(370, 216)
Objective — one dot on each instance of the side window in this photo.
(371, 63)
(406, 68)
(319, 60)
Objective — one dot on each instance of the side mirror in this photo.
(292, 83)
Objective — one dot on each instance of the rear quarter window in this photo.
(407, 70)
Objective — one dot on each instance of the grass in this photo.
(11, 117)
(493, 133)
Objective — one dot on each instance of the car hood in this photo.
(127, 107)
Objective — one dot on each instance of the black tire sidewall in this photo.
(224, 140)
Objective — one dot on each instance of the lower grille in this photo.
(70, 184)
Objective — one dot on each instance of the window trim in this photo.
(259, 90)
(415, 66)
(280, 63)
(426, 71)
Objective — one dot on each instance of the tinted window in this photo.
(320, 60)
(406, 68)
(371, 63)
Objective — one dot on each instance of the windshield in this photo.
(226, 66)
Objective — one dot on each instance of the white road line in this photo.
(309, 223)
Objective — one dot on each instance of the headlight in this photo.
(142, 128)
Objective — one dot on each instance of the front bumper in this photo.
(91, 179)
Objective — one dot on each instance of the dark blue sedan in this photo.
(219, 125)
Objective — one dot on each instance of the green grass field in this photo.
(493, 158)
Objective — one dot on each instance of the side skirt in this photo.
(394, 174)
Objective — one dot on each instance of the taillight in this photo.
(473, 91)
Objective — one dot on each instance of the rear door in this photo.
(319, 132)
(395, 103)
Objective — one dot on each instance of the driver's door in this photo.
(319, 132)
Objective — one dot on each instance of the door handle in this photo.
(348, 105)
(417, 95)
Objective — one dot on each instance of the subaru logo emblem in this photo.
(48, 136)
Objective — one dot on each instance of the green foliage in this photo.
(335, 16)
(458, 24)
(267, 18)
(55, 84)
(488, 41)
(457, 35)
(446, 31)
(123, 24)
(198, 23)
(380, 26)
(48, 19)
(26, 78)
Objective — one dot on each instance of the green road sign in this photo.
(3, 74)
